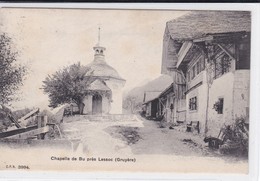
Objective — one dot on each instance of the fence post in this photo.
(41, 122)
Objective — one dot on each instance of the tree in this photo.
(11, 73)
(5, 122)
(213, 69)
(131, 104)
(68, 85)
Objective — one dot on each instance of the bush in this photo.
(235, 137)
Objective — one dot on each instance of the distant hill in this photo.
(158, 84)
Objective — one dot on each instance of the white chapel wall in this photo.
(105, 105)
(117, 95)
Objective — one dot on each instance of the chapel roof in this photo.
(98, 85)
(98, 66)
(102, 69)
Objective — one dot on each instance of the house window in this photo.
(202, 64)
(193, 72)
(193, 103)
(222, 66)
(190, 71)
(171, 106)
(226, 63)
(243, 56)
(198, 67)
(219, 105)
(195, 69)
(188, 76)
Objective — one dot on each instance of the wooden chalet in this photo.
(208, 55)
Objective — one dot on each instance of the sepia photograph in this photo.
(125, 90)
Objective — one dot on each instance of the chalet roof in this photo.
(166, 91)
(151, 95)
(197, 23)
(98, 85)
(155, 87)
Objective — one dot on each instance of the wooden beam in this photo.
(186, 46)
(14, 121)
(30, 114)
(162, 103)
(203, 39)
(31, 133)
(226, 51)
(16, 131)
(41, 121)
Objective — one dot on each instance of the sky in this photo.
(49, 39)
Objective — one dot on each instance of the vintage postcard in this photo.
(125, 90)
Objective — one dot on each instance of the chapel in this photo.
(105, 95)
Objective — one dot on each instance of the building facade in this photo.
(105, 92)
(208, 56)
(217, 78)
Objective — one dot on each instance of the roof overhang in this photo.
(150, 101)
(203, 39)
(98, 85)
(167, 90)
(227, 37)
(213, 38)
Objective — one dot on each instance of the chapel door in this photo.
(96, 104)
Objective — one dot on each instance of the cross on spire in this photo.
(99, 50)
(99, 34)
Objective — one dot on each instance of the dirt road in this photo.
(144, 140)
(138, 137)
(95, 140)
(151, 139)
